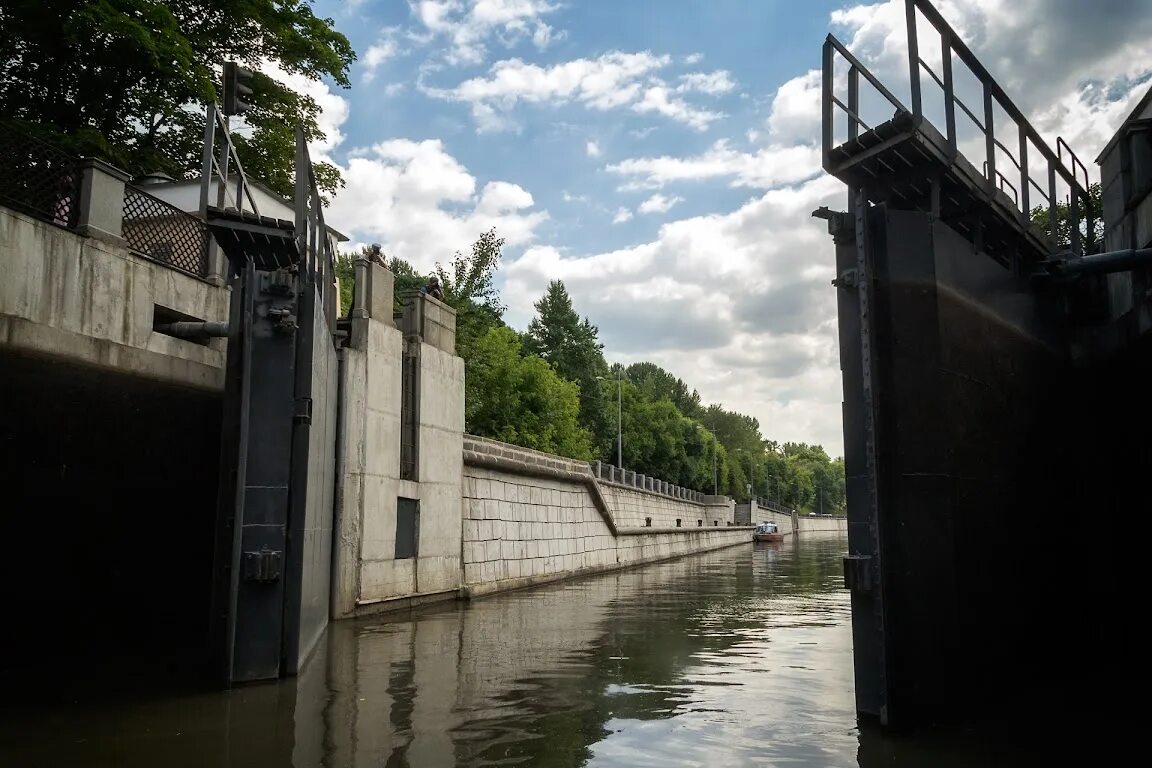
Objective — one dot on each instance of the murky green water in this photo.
(737, 657)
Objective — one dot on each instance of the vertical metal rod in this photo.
(949, 92)
(206, 158)
(989, 134)
(913, 58)
(1074, 203)
(826, 103)
(1025, 181)
(222, 163)
(620, 421)
(853, 101)
(1052, 205)
(300, 198)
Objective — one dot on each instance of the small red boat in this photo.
(767, 532)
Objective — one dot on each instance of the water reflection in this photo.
(737, 657)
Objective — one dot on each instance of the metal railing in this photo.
(631, 479)
(1019, 131)
(38, 179)
(312, 237)
(160, 231)
(775, 506)
(218, 158)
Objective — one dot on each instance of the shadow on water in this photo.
(736, 657)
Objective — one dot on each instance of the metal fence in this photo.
(163, 233)
(38, 179)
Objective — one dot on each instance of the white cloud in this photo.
(422, 204)
(622, 215)
(611, 81)
(379, 52)
(661, 100)
(694, 58)
(795, 114)
(767, 167)
(592, 149)
(333, 109)
(719, 81)
(659, 204)
(722, 301)
(468, 27)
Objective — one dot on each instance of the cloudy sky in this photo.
(661, 157)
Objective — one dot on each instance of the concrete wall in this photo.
(531, 517)
(368, 574)
(89, 301)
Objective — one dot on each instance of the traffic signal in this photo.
(236, 88)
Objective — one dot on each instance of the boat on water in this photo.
(767, 532)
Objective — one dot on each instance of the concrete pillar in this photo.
(598, 470)
(101, 213)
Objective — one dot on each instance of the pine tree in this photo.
(573, 349)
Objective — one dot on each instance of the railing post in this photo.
(1052, 233)
(913, 57)
(989, 134)
(1025, 181)
(826, 103)
(101, 213)
(853, 101)
(949, 93)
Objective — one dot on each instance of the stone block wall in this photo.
(530, 517)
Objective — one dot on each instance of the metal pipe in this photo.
(1102, 263)
(187, 329)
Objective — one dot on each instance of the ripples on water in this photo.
(736, 657)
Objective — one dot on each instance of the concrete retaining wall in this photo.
(808, 523)
(92, 302)
(634, 508)
(530, 517)
(804, 523)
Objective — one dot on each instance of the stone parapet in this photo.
(429, 319)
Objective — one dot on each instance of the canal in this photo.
(735, 657)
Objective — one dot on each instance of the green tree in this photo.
(520, 399)
(572, 347)
(469, 288)
(657, 383)
(1040, 219)
(124, 79)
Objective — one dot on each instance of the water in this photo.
(736, 657)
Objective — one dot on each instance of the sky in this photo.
(661, 157)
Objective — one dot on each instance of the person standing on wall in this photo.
(433, 288)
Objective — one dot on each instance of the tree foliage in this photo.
(551, 389)
(469, 288)
(573, 349)
(126, 79)
(519, 398)
(1040, 218)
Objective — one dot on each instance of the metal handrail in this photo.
(994, 94)
(216, 160)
